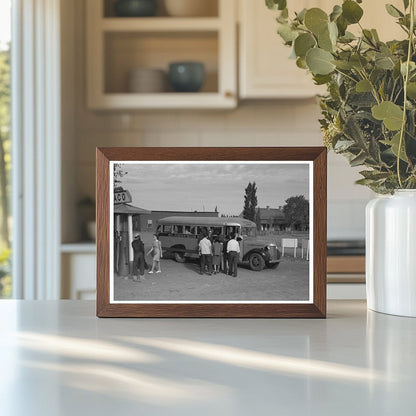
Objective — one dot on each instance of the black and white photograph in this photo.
(196, 232)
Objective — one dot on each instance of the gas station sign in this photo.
(122, 197)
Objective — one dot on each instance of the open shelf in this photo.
(127, 51)
(210, 9)
(116, 46)
(160, 24)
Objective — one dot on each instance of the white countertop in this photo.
(57, 358)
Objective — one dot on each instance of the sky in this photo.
(202, 187)
(5, 19)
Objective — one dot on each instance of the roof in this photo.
(206, 213)
(207, 221)
(129, 209)
(271, 213)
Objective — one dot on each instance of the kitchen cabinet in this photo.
(118, 45)
(78, 281)
(265, 69)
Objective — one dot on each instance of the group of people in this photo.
(216, 255)
(219, 255)
(139, 261)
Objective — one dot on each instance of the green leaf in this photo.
(347, 37)
(343, 145)
(368, 36)
(365, 182)
(321, 79)
(406, 4)
(276, 4)
(301, 15)
(316, 20)
(319, 61)
(375, 35)
(342, 25)
(303, 43)
(411, 90)
(344, 65)
(351, 11)
(374, 150)
(358, 61)
(394, 145)
(393, 11)
(412, 67)
(358, 160)
(374, 175)
(363, 86)
(301, 63)
(325, 42)
(333, 32)
(287, 33)
(336, 12)
(384, 62)
(388, 112)
(353, 131)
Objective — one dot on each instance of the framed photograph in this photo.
(211, 232)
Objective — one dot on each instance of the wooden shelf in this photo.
(346, 264)
(160, 24)
(164, 100)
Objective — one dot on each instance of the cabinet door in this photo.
(265, 68)
(266, 71)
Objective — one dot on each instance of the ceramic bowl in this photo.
(186, 76)
(135, 8)
(147, 80)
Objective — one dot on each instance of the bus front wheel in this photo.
(256, 262)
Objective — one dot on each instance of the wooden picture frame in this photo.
(247, 159)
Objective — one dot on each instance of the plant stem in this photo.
(346, 75)
(405, 81)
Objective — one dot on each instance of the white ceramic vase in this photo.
(391, 253)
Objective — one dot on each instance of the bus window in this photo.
(178, 229)
(248, 231)
(167, 228)
(230, 230)
(201, 230)
(217, 231)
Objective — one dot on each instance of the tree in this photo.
(257, 220)
(118, 173)
(296, 212)
(250, 202)
(4, 143)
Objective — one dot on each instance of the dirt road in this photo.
(182, 282)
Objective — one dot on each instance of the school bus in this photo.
(180, 237)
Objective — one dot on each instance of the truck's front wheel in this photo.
(256, 262)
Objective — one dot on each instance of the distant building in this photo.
(148, 221)
(271, 219)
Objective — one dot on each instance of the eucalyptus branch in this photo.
(406, 79)
(346, 75)
(373, 88)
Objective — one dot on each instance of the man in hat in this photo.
(138, 259)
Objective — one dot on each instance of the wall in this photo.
(253, 123)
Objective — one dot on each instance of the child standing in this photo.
(217, 248)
